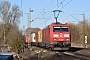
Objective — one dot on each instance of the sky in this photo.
(43, 14)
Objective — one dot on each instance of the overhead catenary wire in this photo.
(43, 10)
(46, 20)
(56, 8)
(74, 17)
(62, 4)
(66, 4)
(40, 14)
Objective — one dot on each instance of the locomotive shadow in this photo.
(74, 49)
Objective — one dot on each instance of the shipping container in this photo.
(40, 36)
(27, 39)
(33, 38)
(46, 35)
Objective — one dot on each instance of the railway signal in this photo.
(86, 39)
(83, 30)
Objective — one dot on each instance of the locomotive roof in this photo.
(53, 23)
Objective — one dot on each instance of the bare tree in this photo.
(16, 14)
(10, 16)
(79, 31)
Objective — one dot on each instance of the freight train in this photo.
(54, 36)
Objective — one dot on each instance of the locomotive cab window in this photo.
(64, 29)
(56, 29)
(60, 29)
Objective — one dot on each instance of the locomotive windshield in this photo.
(56, 29)
(60, 29)
(64, 29)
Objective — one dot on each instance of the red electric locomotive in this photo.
(56, 36)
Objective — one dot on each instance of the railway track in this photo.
(63, 55)
(77, 55)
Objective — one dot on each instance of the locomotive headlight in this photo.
(55, 39)
(55, 35)
(66, 35)
(67, 39)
